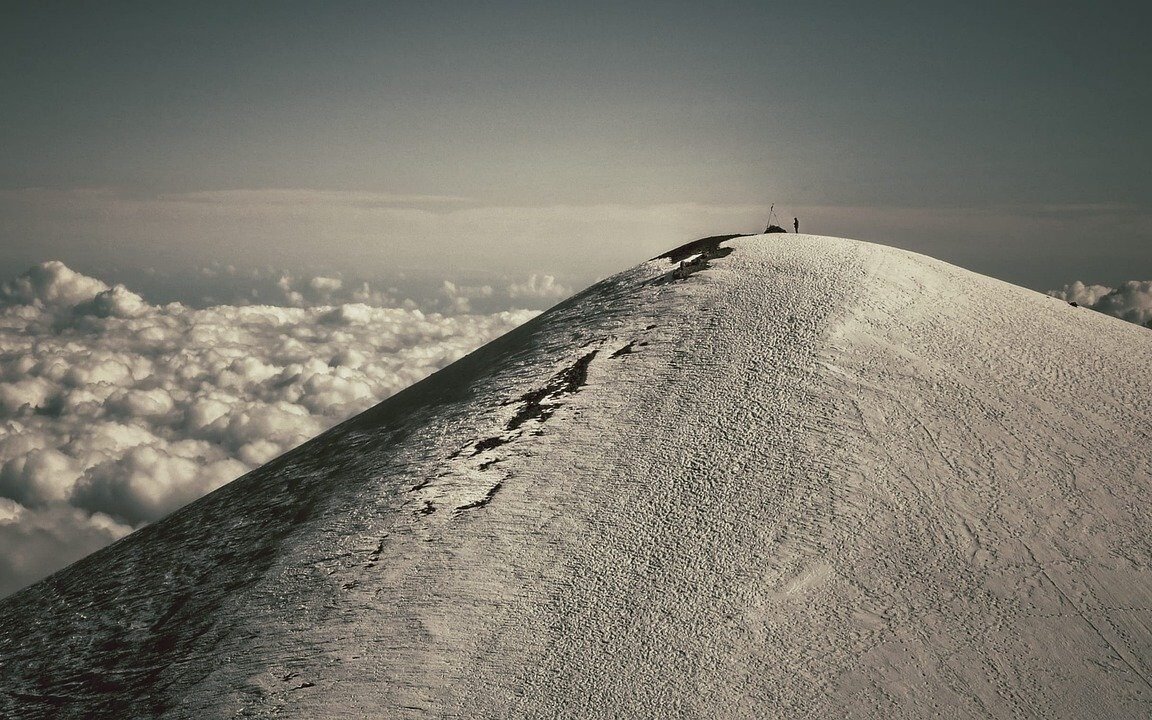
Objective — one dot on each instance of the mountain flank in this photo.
(807, 477)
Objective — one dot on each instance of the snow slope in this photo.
(813, 478)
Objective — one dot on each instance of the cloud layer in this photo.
(1132, 301)
(114, 411)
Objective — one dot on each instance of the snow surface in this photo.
(814, 478)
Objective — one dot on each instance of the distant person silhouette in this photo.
(796, 224)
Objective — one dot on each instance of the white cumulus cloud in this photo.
(1132, 301)
(114, 411)
(50, 285)
(539, 286)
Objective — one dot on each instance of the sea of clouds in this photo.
(115, 411)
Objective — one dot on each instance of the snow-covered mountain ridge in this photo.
(798, 476)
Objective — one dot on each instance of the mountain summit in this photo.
(758, 476)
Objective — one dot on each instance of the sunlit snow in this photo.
(810, 477)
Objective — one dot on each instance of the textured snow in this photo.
(814, 478)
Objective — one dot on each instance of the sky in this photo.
(487, 141)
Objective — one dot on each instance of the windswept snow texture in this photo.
(826, 479)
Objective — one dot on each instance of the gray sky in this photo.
(453, 139)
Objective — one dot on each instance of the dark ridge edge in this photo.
(703, 245)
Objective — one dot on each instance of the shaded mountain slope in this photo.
(814, 477)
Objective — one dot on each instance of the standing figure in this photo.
(796, 224)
